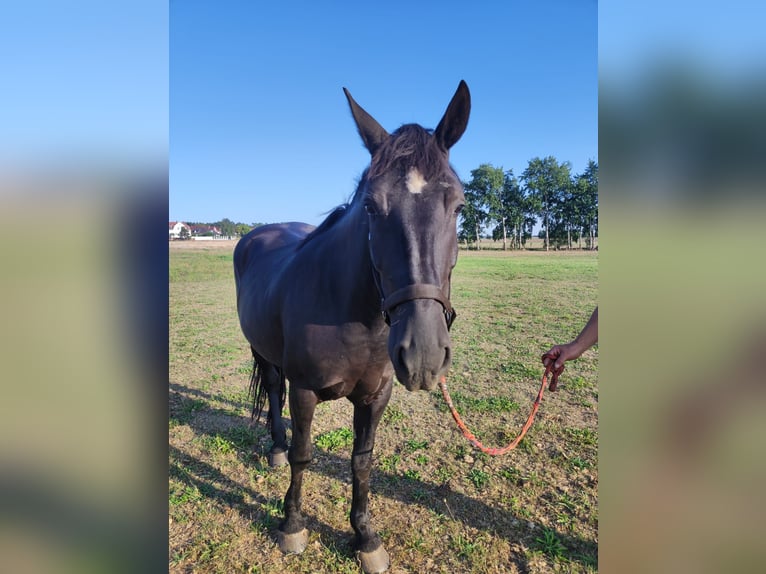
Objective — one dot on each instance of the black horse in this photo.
(340, 308)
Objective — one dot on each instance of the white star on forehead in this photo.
(415, 181)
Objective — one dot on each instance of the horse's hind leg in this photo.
(275, 387)
(292, 535)
(269, 382)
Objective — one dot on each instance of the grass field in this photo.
(438, 504)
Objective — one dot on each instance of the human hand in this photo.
(559, 354)
(555, 358)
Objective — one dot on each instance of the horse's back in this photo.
(266, 243)
(260, 259)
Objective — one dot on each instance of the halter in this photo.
(410, 293)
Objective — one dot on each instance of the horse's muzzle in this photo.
(419, 344)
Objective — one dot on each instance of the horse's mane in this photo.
(409, 146)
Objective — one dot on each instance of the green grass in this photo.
(392, 415)
(579, 463)
(197, 266)
(548, 543)
(181, 494)
(412, 474)
(411, 445)
(464, 546)
(218, 444)
(433, 497)
(335, 439)
(479, 478)
(388, 463)
(581, 436)
(482, 405)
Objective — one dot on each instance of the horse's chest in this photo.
(331, 355)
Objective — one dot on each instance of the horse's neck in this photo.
(346, 244)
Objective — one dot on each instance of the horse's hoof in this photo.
(375, 561)
(293, 543)
(277, 458)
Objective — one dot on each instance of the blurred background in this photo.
(83, 289)
(682, 143)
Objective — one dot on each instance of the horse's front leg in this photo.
(292, 535)
(368, 544)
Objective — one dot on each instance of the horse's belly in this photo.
(336, 391)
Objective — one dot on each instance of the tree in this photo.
(242, 229)
(587, 198)
(227, 227)
(471, 219)
(517, 209)
(565, 217)
(485, 190)
(546, 180)
(184, 233)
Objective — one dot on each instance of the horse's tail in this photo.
(259, 386)
(256, 392)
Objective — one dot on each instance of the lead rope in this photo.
(498, 451)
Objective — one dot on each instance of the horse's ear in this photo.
(373, 134)
(455, 119)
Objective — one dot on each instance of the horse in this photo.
(339, 309)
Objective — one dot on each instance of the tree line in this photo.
(507, 208)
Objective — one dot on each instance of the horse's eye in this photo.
(370, 209)
(459, 208)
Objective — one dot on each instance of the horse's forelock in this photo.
(411, 146)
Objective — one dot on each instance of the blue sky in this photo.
(727, 40)
(84, 83)
(260, 129)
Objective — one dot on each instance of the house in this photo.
(205, 231)
(174, 229)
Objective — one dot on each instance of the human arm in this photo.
(559, 354)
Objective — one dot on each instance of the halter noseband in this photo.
(410, 293)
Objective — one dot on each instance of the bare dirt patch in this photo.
(193, 245)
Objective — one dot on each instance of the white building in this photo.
(174, 229)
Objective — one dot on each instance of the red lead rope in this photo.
(498, 451)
